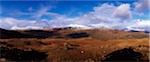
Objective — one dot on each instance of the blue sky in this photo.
(68, 8)
(61, 7)
(73, 12)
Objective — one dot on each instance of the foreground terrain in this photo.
(73, 45)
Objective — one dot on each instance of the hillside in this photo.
(61, 45)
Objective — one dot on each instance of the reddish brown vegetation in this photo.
(74, 45)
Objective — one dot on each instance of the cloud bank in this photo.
(105, 15)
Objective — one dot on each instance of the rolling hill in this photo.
(69, 44)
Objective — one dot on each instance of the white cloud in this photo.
(104, 15)
(123, 12)
(99, 15)
(142, 5)
(107, 15)
(26, 27)
(61, 21)
(141, 9)
(12, 23)
(104, 10)
(44, 11)
(79, 26)
(141, 25)
(40, 12)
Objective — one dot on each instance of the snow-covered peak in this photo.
(25, 28)
(139, 25)
(79, 26)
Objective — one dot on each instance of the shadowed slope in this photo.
(20, 55)
(126, 54)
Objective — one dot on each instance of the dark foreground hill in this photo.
(73, 45)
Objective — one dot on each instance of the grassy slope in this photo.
(95, 47)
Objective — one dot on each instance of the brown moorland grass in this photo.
(95, 48)
(80, 49)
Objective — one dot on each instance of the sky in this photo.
(35, 14)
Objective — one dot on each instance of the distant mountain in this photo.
(69, 32)
(133, 29)
(77, 26)
(26, 28)
(26, 33)
(11, 34)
